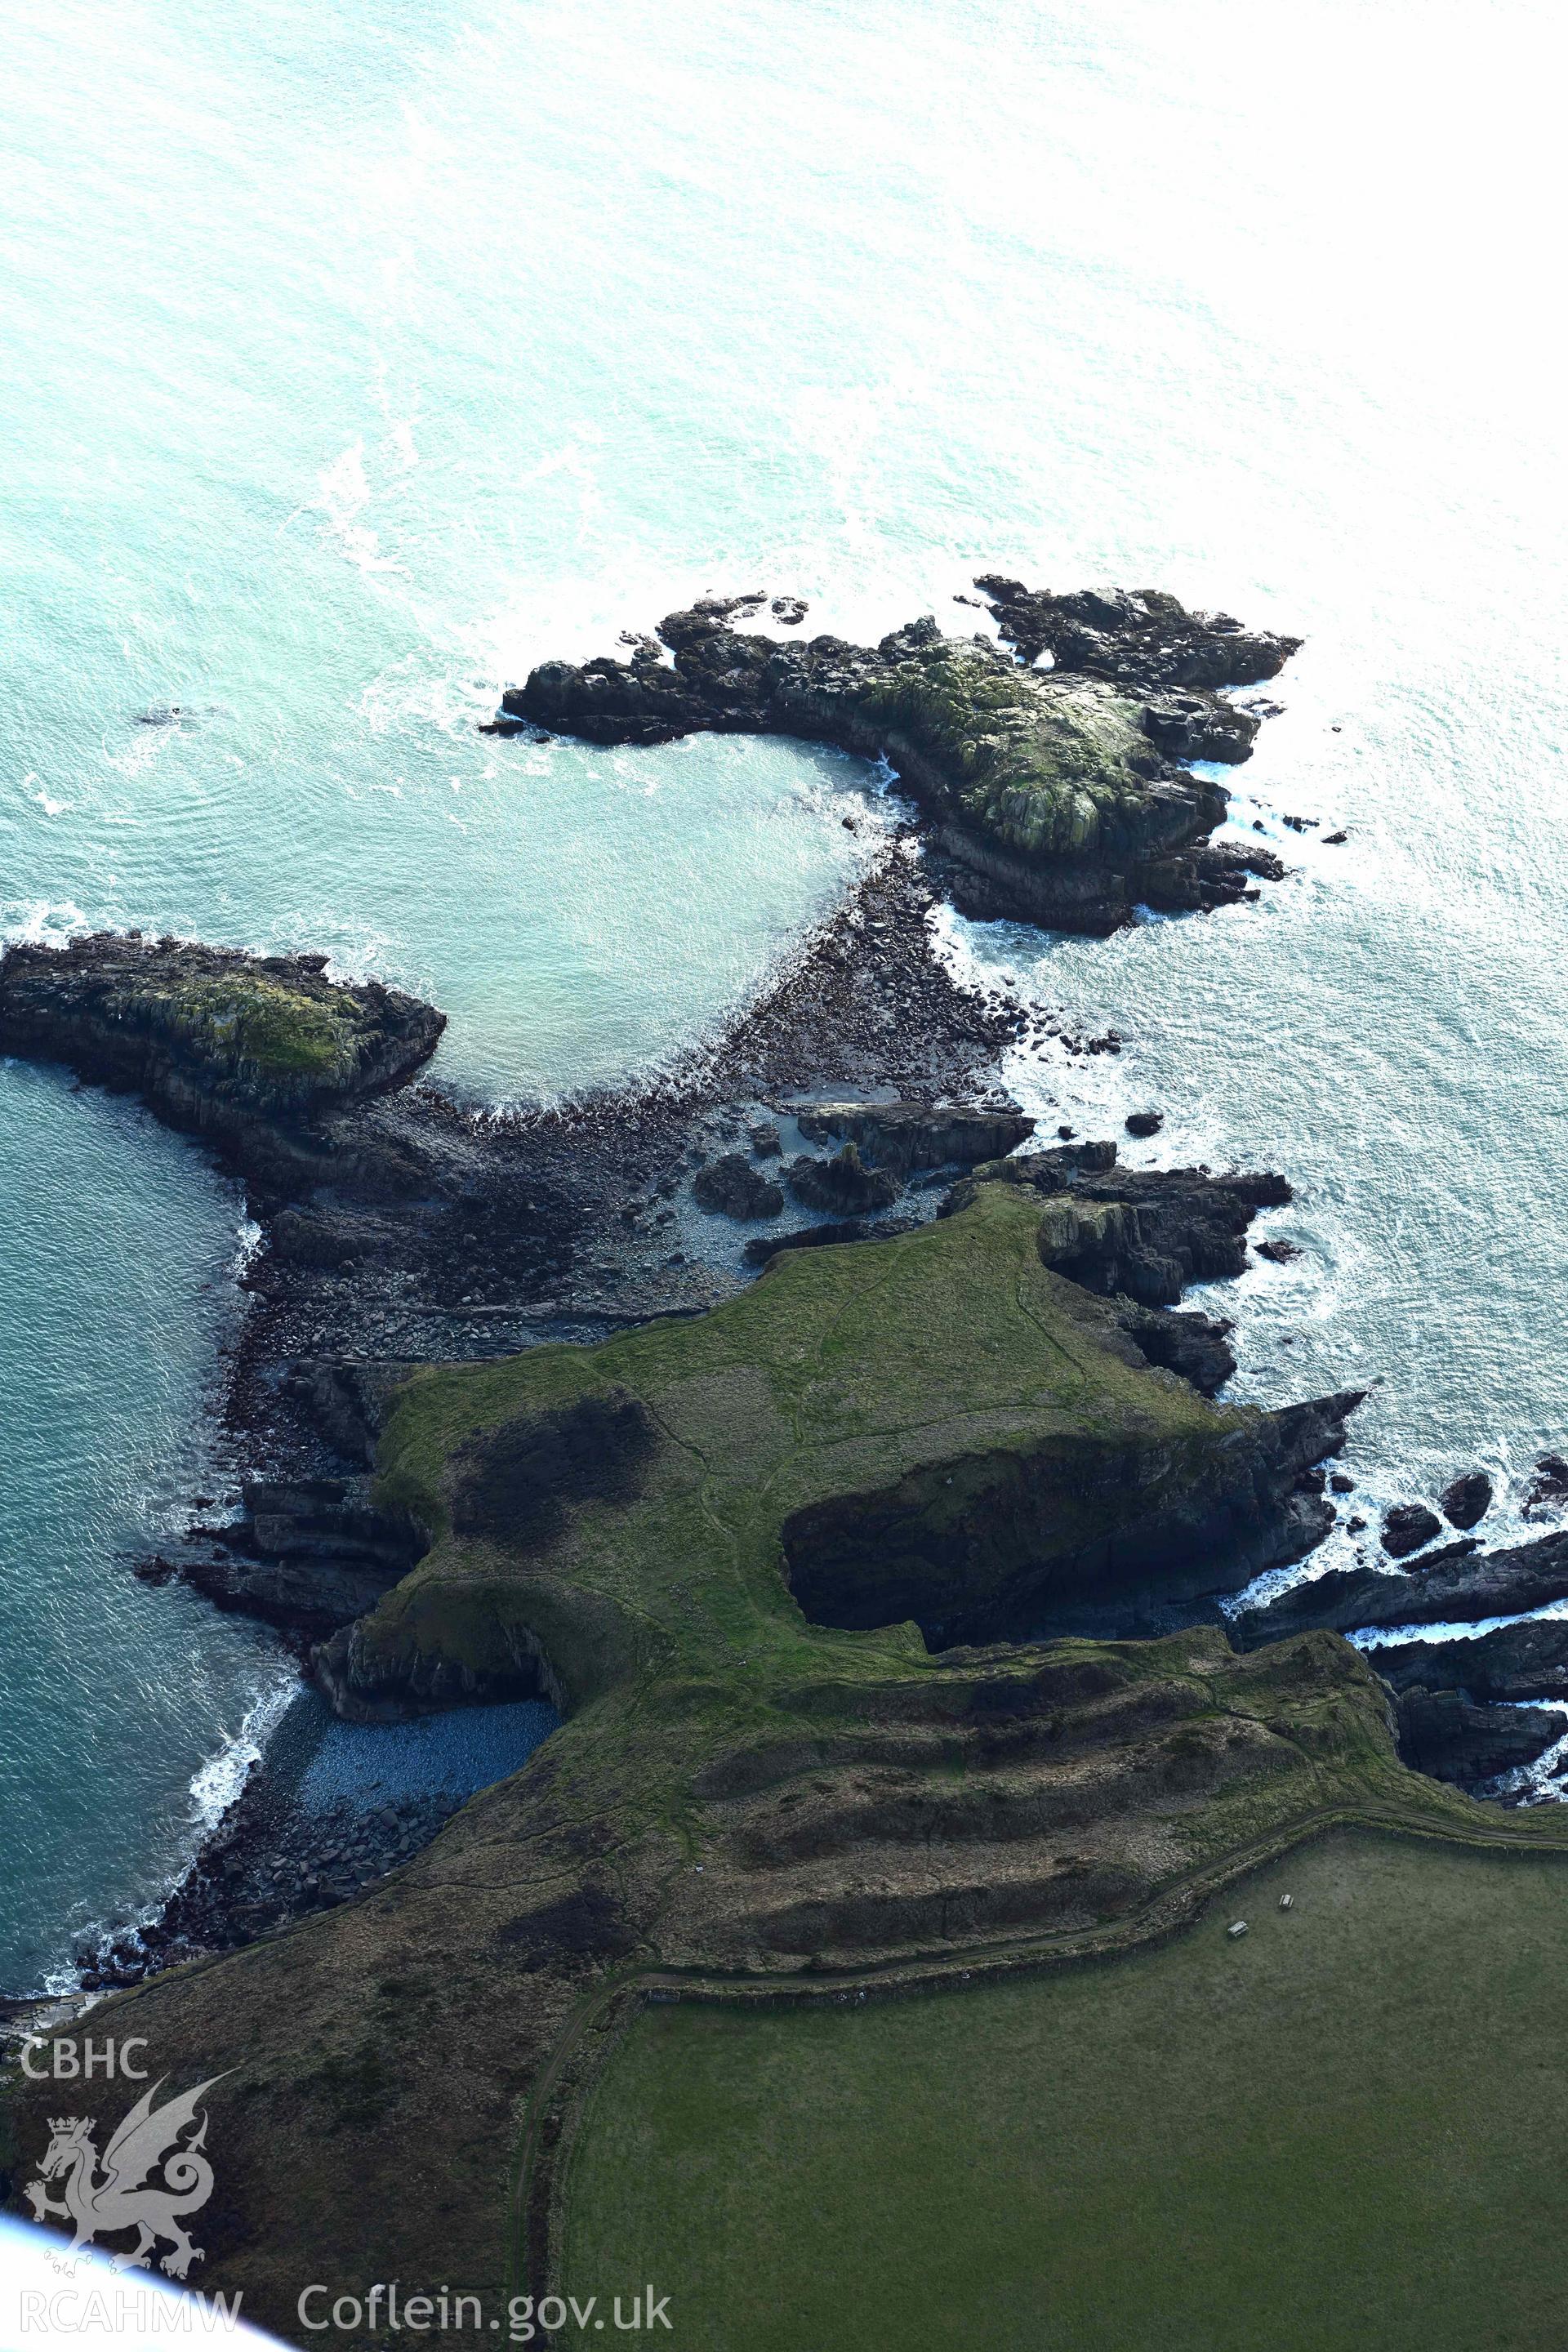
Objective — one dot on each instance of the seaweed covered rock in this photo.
(1057, 796)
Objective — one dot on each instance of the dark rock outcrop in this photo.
(909, 1552)
(1456, 1584)
(842, 1186)
(1461, 1739)
(1144, 1233)
(1407, 1527)
(254, 1053)
(837, 1231)
(1526, 1660)
(1195, 1346)
(731, 1187)
(905, 1134)
(308, 1555)
(1056, 795)
(1466, 1501)
(1148, 641)
(1548, 1490)
(1144, 1122)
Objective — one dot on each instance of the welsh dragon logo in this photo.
(125, 2195)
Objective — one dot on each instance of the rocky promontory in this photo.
(1064, 1472)
(1058, 795)
(253, 1052)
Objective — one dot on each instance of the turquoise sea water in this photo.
(353, 358)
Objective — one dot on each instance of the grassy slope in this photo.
(281, 1031)
(738, 1797)
(1343, 2130)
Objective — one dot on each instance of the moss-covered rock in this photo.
(1049, 767)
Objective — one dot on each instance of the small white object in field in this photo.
(1237, 1927)
(1285, 1901)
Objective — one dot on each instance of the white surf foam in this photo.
(220, 1779)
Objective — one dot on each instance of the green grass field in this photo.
(1347, 2130)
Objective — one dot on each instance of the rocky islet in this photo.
(1060, 795)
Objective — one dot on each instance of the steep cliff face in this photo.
(247, 1050)
(1054, 794)
(1130, 1524)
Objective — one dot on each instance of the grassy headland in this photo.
(743, 1798)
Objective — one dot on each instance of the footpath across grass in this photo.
(1345, 2131)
